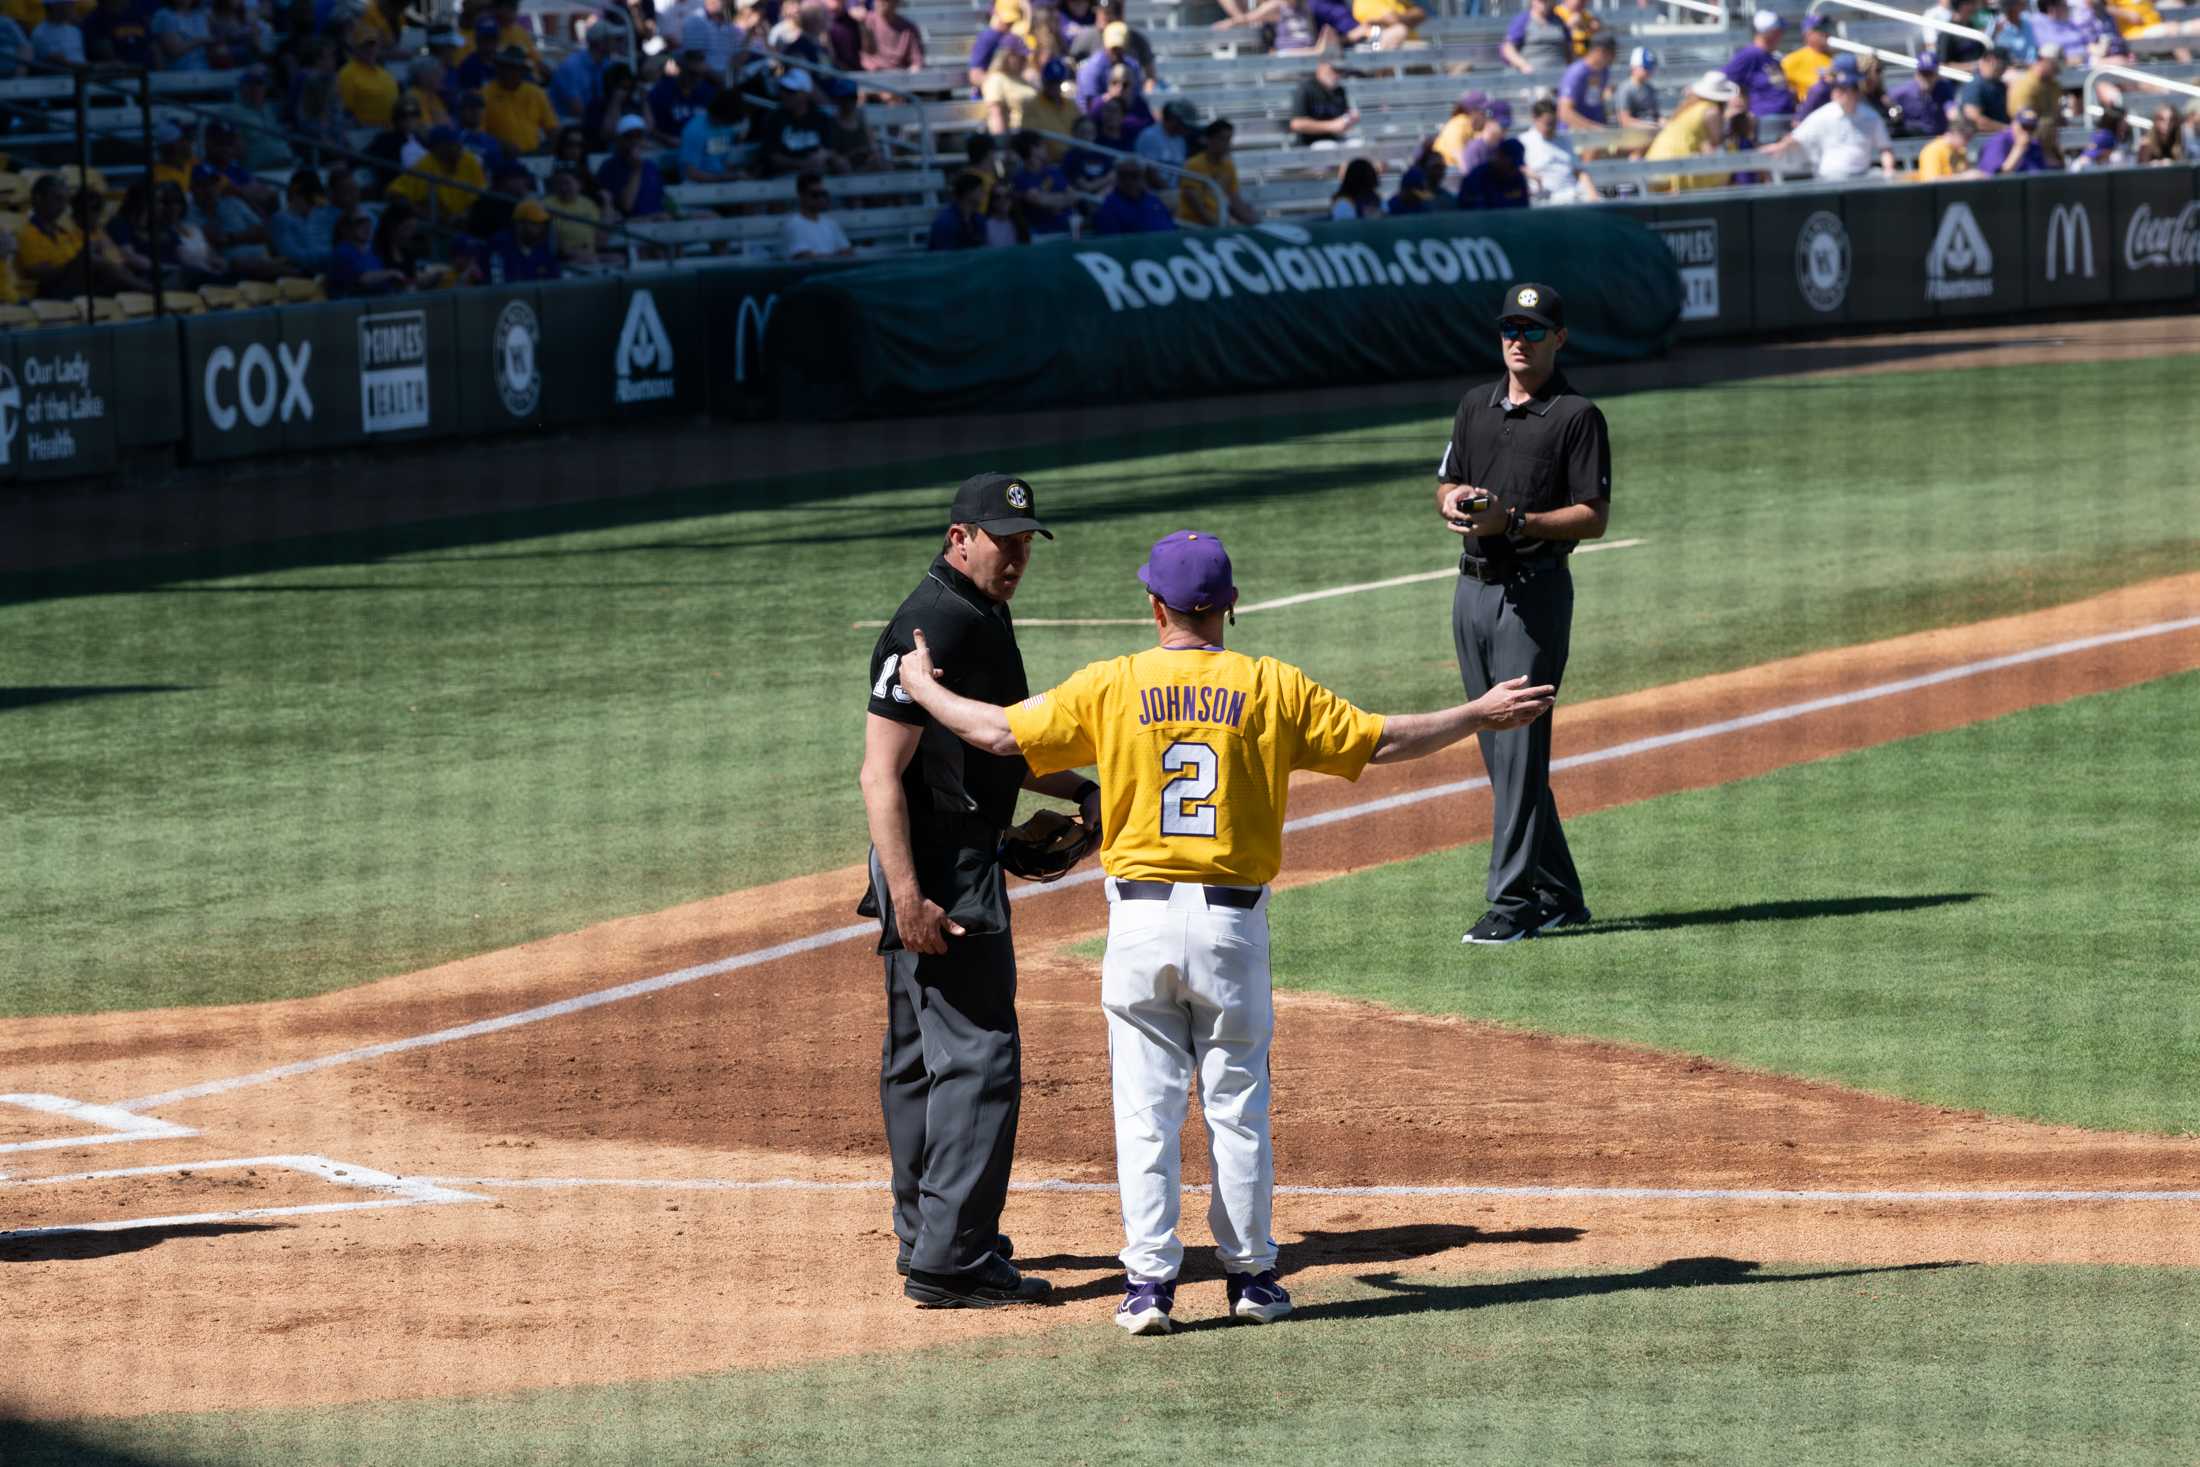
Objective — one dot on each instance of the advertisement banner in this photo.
(59, 405)
(2155, 233)
(1804, 261)
(661, 362)
(1975, 263)
(498, 359)
(408, 382)
(243, 383)
(2068, 259)
(1892, 230)
(739, 304)
(1161, 315)
(1710, 244)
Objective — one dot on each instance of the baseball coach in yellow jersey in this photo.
(1195, 746)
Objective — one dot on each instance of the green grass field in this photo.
(227, 787)
(1996, 917)
(1696, 1360)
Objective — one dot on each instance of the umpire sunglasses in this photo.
(1521, 331)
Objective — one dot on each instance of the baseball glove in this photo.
(1044, 847)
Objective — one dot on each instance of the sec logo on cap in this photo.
(1019, 497)
(1529, 297)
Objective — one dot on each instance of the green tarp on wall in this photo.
(1163, 315)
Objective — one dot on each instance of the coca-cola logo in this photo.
(2159, 244)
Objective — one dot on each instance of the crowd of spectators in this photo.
(479, 152)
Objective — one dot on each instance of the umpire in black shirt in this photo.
(950, 1075)
(1527, 473)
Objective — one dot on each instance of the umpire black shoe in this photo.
(1003, 1245)
(1553, 912)
(1498, 928)
(988, 1289)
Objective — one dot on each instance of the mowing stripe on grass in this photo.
(838, 935)
(1636, 1194)
(1298, 600)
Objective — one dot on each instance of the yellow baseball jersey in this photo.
(1195, 749)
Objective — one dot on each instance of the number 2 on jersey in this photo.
(1196, 771)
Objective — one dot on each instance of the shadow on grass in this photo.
(81, 1243)
(31, 697)
(1679, 1273)
(1794, 911)
(1361, 1245)
(42, 1444)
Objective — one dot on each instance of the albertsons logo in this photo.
(645, 353)
(1960, 266)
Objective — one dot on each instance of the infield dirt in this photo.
(770, 1073)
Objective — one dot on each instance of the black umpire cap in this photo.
(1001, 503)
(1528, 301)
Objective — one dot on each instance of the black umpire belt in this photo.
(1491, 573)
(1158, 891)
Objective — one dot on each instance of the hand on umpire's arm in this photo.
(981, 724)
(1508, 705)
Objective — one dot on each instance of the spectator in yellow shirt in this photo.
(1392, 20)
(1803, 67)
(427, 185)
(1461, 128)
(576, 220)
(1949, 155)
(519, 114)
(512, 32)
(1699, 127)
(1195, 203)
(11, 289)
(368, 91)
(173, 157)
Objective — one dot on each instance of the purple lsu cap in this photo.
(1189, 571)
(1476, 100)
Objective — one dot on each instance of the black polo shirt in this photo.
(1319, 103)
(959, 797)
(1540, 455)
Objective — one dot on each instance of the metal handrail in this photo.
(1222, 199)
(2091, 90)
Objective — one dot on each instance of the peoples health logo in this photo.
(1960, 265)
(2069, 243)
(645, 353)
(1822, 261)
(1694, 244)
(512, 353)
(2162, 244)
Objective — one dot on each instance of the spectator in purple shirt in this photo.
(1756, 70)
(632, 184)
(1537, 40)
(1845, 70)
(1499, 183)
(2016, 148)
(1483, 145)
(1336, 16)
(1586, 83)
(1131, 207)
(2050, 25)
(1092, 72)
(1921, 105)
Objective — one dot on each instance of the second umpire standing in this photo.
(951, 1068)
(1528, 472)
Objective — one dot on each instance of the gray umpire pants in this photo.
(1505, 631)
(951, 1086)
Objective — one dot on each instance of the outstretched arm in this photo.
(1411, 735)
(982, 725)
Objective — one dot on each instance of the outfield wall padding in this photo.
(1124, 320)
(1196, 312)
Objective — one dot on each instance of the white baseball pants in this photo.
(1186, 990)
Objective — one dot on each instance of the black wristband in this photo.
(1086, 791)
(1516, 522)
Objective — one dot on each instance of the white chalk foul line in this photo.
(1632, 1194)
(850, 933)
(392, 1191)
(1448, 572)
(121, 1125)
